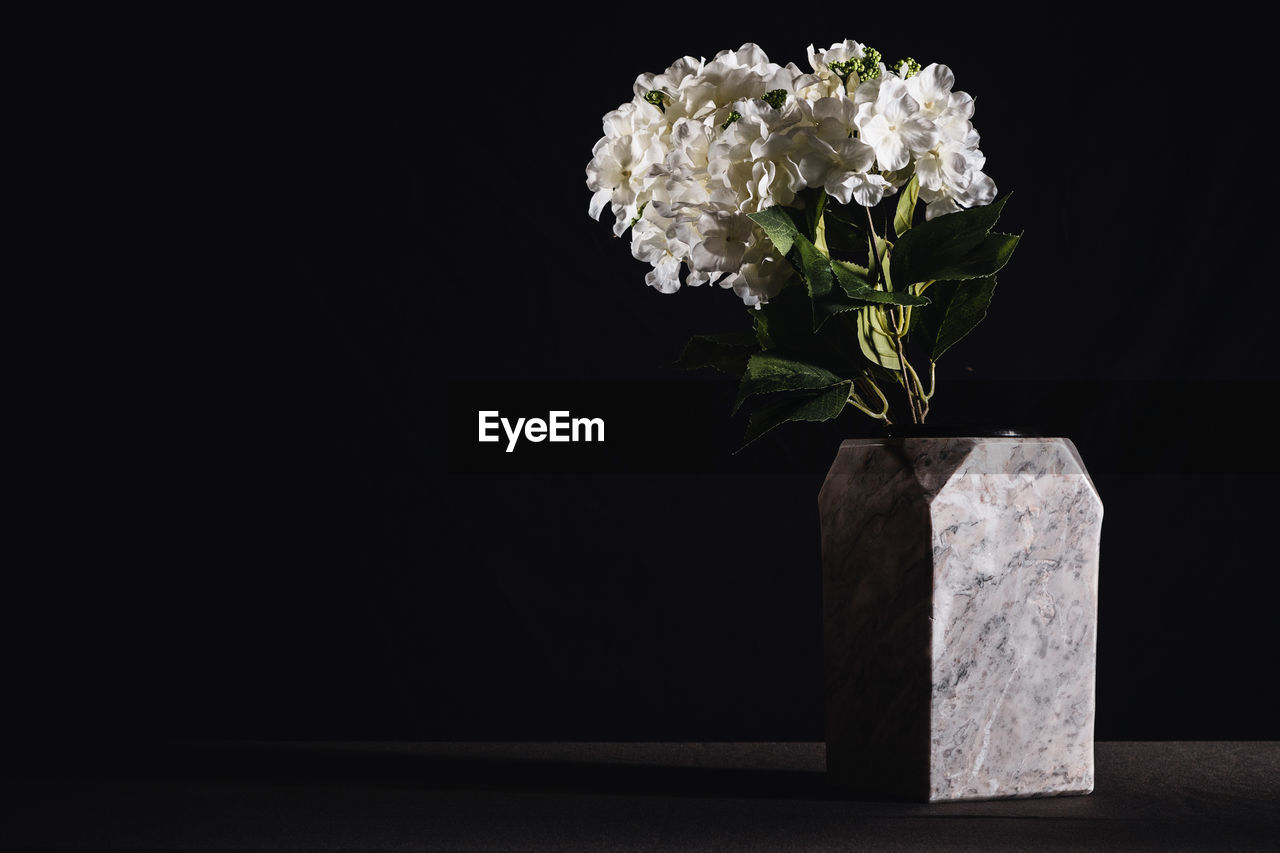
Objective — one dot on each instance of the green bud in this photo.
(658, 98)
(639, 213)
(775, 98)
(866, 68)
(733, 116)
(913, 67)
(870, 64)
(844, 69)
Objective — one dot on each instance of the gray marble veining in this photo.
(960, 581)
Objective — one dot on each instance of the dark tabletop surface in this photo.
(602, 797)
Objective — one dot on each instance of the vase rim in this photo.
(961, 431)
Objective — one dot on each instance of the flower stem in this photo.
(858, 403)
(922, 399)
(897, 323)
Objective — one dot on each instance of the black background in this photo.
(284, 253)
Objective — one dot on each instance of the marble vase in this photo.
(960, 590)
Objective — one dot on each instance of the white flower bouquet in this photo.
(799, 190)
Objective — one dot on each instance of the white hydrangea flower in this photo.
(681, 234)
(980, 190)
(950, 173)
(761, 276)
(798, 87)
(650, 243)
(931, 88)
(950, 163)
(775, 174)
(949, 111)
(618, 174)
(724, 238)
(705, 143)
(668, 81)
(891, 125)
(830, 83)
(833, 158)
(730, 77)
(751, 161)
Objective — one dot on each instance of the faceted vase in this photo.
(960, 595)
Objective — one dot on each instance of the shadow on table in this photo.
(418, 767)
(1151, 796)
(569, 776)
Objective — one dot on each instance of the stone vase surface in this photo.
(960, 595)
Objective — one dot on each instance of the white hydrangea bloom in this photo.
(761, 276)
(821, 61)
(891, 124)
(950, 173)
(618, 174)
(728, 78)
(650, 243)
(668, 81)
(705, 143)
(799, 87)
(979, 190)
(682, 233)
(833, 158)
(724, 238)
(931, 89)
(775, 175)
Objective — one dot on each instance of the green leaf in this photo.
(769, 373)
(820, 406)
(883, 297)
(877, 254)
(987, 258)
(815, 267)
(926, 321)
(810, 261)
(854, 293)
(814, 208)
(942, 242)
(906, 210)
(727, 353)
(850, 275)
(853, 281)
(778, 225)
(875, 338)
(964, 309)
(832, 306)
